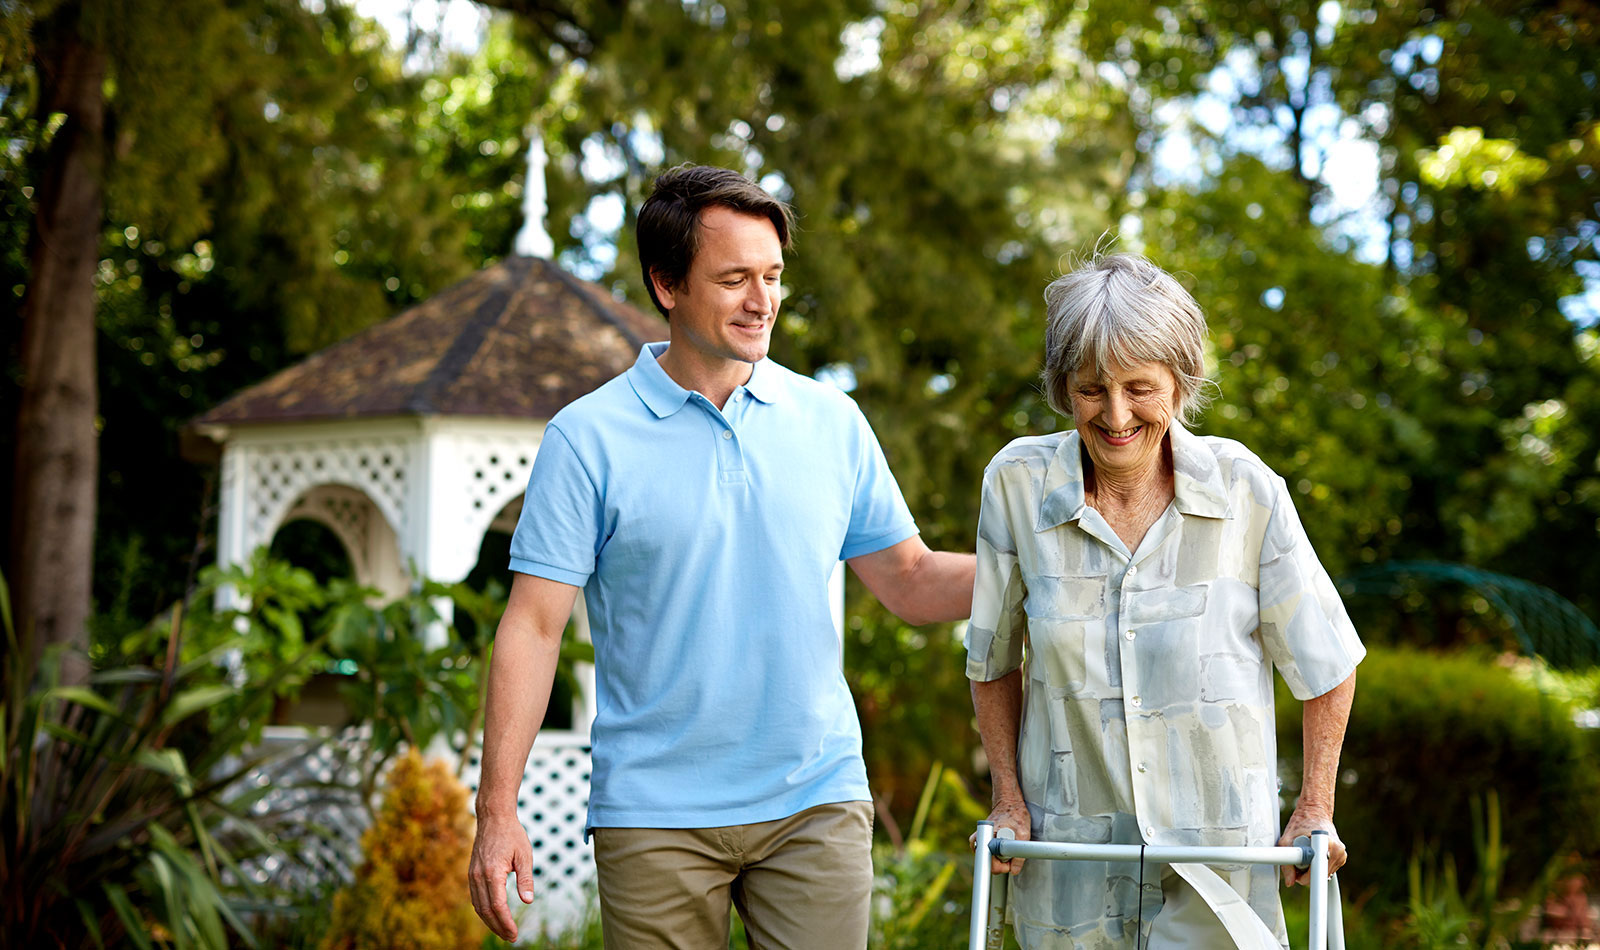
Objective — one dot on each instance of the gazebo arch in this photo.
(369, 538)
(409, 440)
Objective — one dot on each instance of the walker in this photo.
(989, 895)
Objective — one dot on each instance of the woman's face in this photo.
(1123, 417)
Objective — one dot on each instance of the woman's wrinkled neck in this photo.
(1149, 484)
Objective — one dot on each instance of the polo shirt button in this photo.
(727, 433)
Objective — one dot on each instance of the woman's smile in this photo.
(1119, 436)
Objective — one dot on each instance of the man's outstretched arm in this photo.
(526, 647)
(918, 585)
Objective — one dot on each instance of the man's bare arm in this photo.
(918, 585)
(526, 648)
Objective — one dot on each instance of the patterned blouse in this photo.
(1147, 712)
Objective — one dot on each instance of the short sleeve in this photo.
(998, 627)
(1304, 627)
(879, 517)
(560, 526)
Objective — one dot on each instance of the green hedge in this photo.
(1431, 732)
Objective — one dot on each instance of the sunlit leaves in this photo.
(1465, 158)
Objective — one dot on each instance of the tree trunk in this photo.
(57, 452)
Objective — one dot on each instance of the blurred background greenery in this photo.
(1388, 209)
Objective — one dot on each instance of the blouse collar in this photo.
(1197, 480)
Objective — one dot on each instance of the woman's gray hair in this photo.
(1118, 310)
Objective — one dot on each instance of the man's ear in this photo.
(665, 291)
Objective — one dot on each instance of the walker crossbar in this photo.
(1160, 854)
(988, 893)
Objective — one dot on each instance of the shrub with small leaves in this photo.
(410, 892)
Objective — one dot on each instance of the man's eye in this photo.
(733, 283)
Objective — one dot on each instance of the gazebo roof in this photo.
(519, 339)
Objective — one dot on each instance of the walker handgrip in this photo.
(1304, 844)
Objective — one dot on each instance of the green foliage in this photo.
(1363, 928)
(405, 674)
(277, 183)
(1436, 404)
(912, 696)
(1441, 914)
(1429, 735)
(924, 880)
(119, 807)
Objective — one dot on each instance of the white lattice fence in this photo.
(552, 805)
(317, 786)
(313, 804)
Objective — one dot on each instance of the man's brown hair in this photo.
(668, 231)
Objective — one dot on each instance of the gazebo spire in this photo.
(533, 240)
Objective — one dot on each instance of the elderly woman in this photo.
(1137, 584)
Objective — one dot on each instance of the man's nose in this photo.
(760, 297)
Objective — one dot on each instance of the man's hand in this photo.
(500, 847)
(1304, 821)
(1009, 813)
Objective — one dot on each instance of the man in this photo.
(701, 500)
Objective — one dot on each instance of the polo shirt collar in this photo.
(655, 388)
(664, 396)
(766, 382)
(1197, 480)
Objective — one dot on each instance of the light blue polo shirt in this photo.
(704, 541)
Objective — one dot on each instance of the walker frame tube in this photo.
(1313, 853)
(977, 935)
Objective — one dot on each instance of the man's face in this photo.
(725, 306)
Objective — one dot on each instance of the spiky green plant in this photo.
(119, 811)
(1444, 915)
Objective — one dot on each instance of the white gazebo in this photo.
(412, 440)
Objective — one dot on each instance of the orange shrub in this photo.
(410, 892)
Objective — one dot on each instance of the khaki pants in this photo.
(800, 883)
